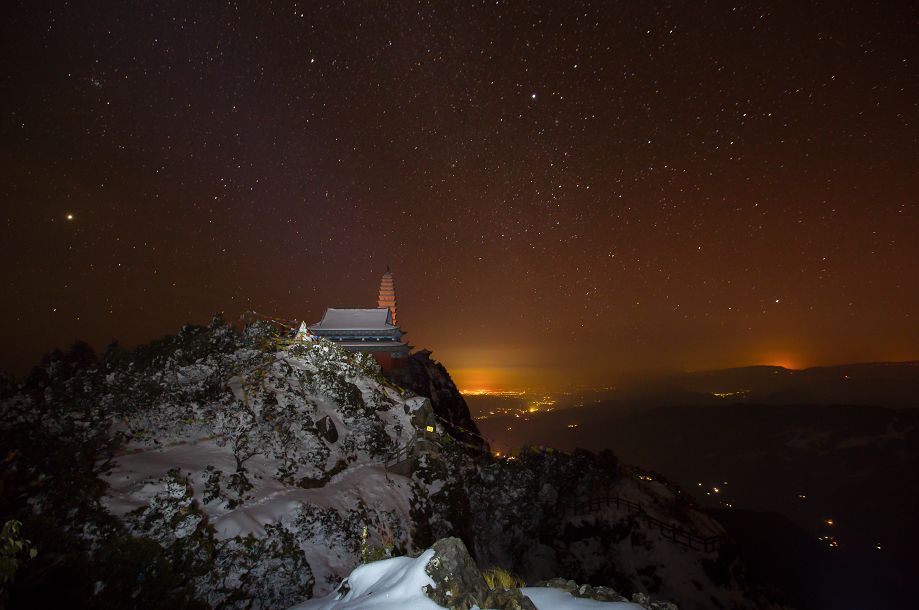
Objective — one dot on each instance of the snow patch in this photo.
(546, 598)
(390, 584)
(398, 584)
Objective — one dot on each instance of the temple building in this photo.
(387, 296)
(373, 331)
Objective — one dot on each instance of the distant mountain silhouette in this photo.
(889, 384)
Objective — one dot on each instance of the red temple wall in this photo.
(387, 362)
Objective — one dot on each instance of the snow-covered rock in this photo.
(388, 584)
(254, 460)
(445, 573)
(255, 470)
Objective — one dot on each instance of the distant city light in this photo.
(485, 392)
(730, 394)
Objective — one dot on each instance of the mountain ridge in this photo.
(245, 470)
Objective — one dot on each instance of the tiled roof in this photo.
(355, 319)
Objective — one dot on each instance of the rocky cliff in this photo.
(426, 377)
(250, 470)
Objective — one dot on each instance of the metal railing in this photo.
(404, 454)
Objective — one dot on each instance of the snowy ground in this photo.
(137, 479)
(396, 584)
(390, 584)
(545, 598)
(134, 482)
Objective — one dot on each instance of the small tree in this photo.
(12, 548)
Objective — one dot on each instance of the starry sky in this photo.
(567, 192)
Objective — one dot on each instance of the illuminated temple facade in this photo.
(387, 295)
(373, 331)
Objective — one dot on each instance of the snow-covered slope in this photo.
(289, 454)
(255, 470)
(255, 461)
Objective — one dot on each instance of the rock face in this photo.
(241, 468)
(426, 377)
(247, 471)
(327, 429)
(530, 515)
(460, 585)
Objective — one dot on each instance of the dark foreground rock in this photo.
(461, 586)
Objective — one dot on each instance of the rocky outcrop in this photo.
(521, 514)
(605, 594)
(446, 575)
(326, 427)
(459, 585)
(426, 377)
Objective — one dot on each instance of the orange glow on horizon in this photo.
(517, 378)
(497, 379)
(785, 358)
(786, 363)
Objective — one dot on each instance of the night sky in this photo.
(566, 191)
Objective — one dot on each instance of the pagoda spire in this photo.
(387, 295)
